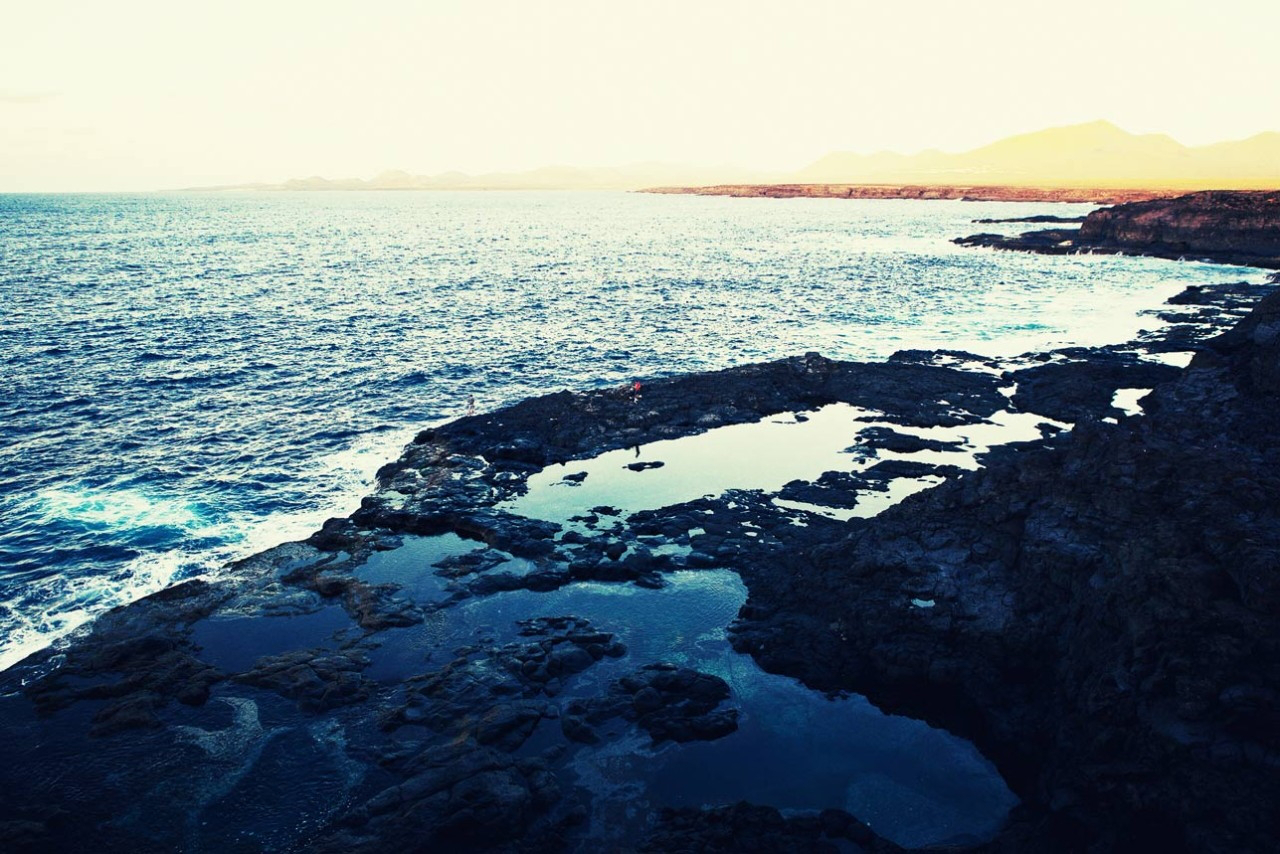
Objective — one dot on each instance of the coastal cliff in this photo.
(1244, 225)
(1228, 227)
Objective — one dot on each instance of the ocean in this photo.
(190, 378)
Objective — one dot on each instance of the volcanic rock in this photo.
(1230, 227)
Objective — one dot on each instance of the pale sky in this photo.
(145, 95)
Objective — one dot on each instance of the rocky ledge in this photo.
(1225, 226)
(1096, 608)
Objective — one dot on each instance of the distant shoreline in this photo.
(773, 191)
(922, 191)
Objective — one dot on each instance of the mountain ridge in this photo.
(1097, 155)
(1093, 154)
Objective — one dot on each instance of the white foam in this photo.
(115, 508)
(54, 607)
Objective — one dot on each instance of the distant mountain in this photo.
(1097, 154)
(632, 177)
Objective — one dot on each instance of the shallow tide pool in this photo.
(795, 748)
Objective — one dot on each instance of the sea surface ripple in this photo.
(189, 378)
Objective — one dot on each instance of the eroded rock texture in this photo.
(1103, 615)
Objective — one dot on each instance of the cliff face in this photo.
(1218, 225)
(1210, 222)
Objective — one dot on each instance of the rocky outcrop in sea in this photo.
(1095, 608)
(1230, 227)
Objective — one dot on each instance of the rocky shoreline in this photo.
(1094, 608)
(1226, 227)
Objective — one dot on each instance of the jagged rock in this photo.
(459, 566)
(670, 703)
(373, 606)
(1240, 227)
(317, 680)
(888, 439)
(1070, 391)
(493, 694)
(1038, 218)
(137, 659)
(458, 796)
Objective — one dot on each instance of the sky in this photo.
(136, 95)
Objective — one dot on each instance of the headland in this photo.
(1226, 227)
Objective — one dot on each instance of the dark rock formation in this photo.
(1231, 227)
(1201, 309)
(316, 679)
(1101, 616)
(1244, 227)
(1040, 218)
(887, 439)
(453, 797)
(1052, 241)
(1075, 389)
(497, 695)
(139, 663)
(670, 703)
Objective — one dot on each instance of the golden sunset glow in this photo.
(144, 95)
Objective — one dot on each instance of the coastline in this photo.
(170, 663)
(1223, 227)
(47, 518)
(970, 193)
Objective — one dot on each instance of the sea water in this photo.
(188, 378)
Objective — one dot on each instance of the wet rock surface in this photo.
(1085, 384)
(1095, 608)
(1230, 227)
(888, 439)
(1049, 241)
(670, 703)
(1103, 612)
(458, 796)
(1036, 219)
(497, 694)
